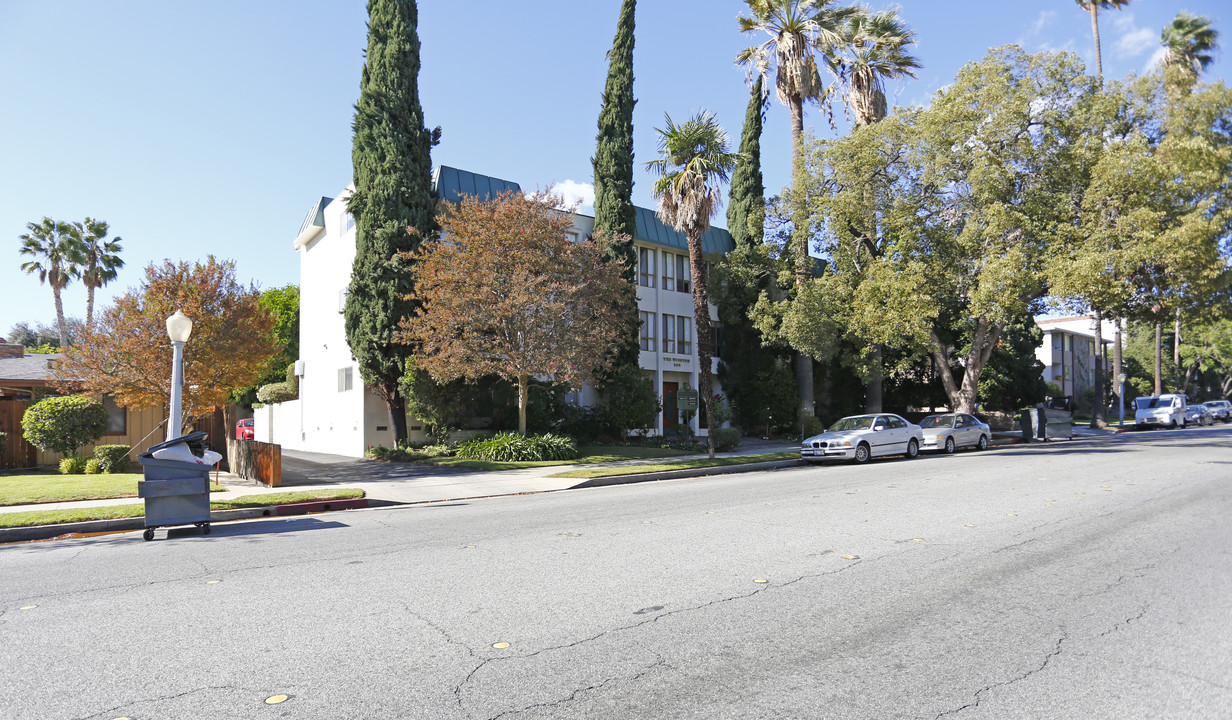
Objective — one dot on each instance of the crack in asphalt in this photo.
(110, 712)
(659, 662)
(1124, 623)
(1047, 659)
(461, 686)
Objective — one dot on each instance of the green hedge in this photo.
(512, 447)
(726, 438)
(112, 458)
(63, 424)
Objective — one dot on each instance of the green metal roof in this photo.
(650, 229)
(451, 184)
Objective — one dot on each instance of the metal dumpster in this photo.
(1049, 421)
(175, 492)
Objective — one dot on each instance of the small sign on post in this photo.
(687, 399)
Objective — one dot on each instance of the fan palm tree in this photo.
(877, 45)
(799, 31)
(1189, 41)
(100, 259)
(694, 157)
(1093, 7)
(877, 48)
(55, 261)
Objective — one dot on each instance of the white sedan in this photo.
(861, 437)
(954, 430)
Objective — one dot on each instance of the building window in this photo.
(684, 335)
(646, 262)
(345, 379)
(682, 274)
(669, 333)
(669, 270)
(1069, 343)
(117, 417)
(648, 331)
(348, 222)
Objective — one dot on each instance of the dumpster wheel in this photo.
(148, 534)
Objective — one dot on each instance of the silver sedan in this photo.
(946, 433)
(861, 437)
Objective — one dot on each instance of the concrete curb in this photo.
(46, 532)
(687, 473)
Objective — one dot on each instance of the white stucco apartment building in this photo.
(336, 414)
(1068, 351)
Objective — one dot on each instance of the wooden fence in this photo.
(17, 453)
(254, 460)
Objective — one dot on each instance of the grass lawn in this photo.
(132, 510)
(586, 454)
(48, 487)
(680, 465)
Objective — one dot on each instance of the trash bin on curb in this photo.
(1047, 423)
(175, 492)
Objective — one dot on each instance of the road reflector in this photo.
(645, 522)
(761, 580)
(970, 525)
(1013, 514)
(29, 607)
(275, 699)
(469, 546)
(212, 582)
(500, 645)
(849, 557)
(917, 539)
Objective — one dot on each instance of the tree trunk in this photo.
(89, 306)
(1176, 344)
(1116, 363)
(1099, 413)
(1099, 61)
(873, 391)
(55, 291)
(804, 363)
(1159, 367)
(962, 398)
(397, 416)
(701, 320)
(523, 397)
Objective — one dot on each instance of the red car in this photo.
(244, 430)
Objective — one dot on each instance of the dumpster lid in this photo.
(190, 438)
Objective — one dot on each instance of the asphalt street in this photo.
(1084, 579)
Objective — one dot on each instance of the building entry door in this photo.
(670, 413)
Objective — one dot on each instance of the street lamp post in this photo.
(179, 327)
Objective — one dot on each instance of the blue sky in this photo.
(211, 128)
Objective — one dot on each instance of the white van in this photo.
(1167, 410)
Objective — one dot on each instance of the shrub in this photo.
(726, 439)
(112, 458)
(73, 465)
(93, 466)
(395, 454)
(63, 424)
(439, 450)
(512, 447)
(811, 426)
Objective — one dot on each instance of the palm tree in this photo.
(100, 259)
(1093, 7)
(798, 30)
(1189, 40)
(55, 261)
(693, 158)
(877, 49)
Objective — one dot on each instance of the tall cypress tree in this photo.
(393, 191)
(746, 202)
(613, 163)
